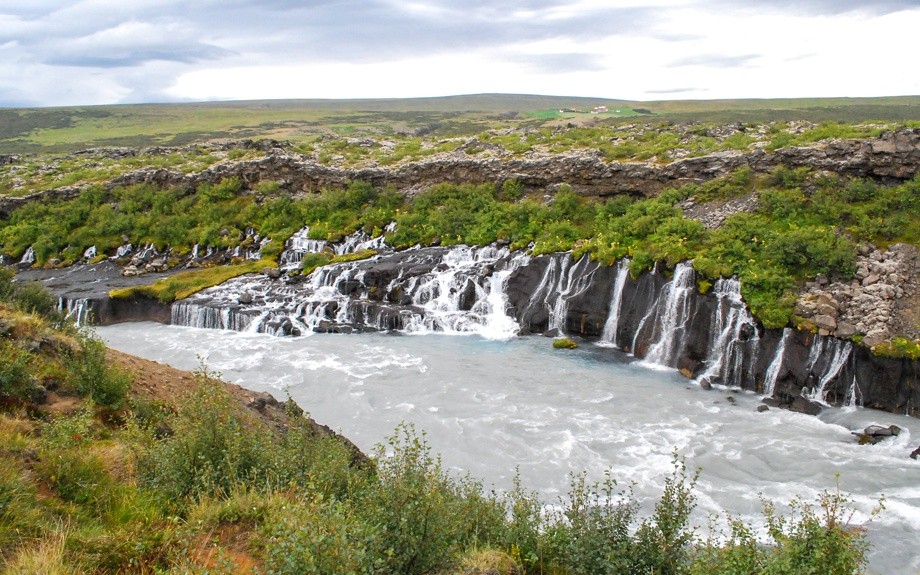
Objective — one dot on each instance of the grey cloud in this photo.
(823, 7)
(714, 61)
(130, 57)
(675, 90)
(561, 63)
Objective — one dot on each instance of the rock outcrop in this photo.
(892, 157)
(881, 301)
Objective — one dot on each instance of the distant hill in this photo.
(65, 129)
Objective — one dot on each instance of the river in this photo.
(492, 408)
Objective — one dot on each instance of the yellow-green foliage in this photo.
(564, 343)
(314, 260)
(897, 348)
(185, 284)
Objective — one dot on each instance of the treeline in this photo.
(106, 479)
(805, 224)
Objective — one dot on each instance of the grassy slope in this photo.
(61, 129)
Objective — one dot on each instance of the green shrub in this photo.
(15, 371)
(212, 448)
(95, 377)
(422, 517)
(316, 537)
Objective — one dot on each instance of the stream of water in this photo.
(493, 407)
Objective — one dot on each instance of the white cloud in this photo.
(102, 51)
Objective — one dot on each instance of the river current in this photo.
(492, 408)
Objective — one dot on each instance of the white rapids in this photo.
(493, 406)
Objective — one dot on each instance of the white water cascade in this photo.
(460, 290)
(76, 310)
(769, 382)
(733, 340)
(670, 313)
(609, 335)
(28, 257)
(454, 302)
(839, 352)
(563, 280)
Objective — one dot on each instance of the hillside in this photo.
(303, 121)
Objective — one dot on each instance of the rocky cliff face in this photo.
(894, 156)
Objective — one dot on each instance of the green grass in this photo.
(65, 129)
(185, 284)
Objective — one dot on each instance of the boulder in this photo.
(876, 433)
(273, 273)
(762, 408)
(806, 406)
(245, 298)
(845, 330)
(825, 322)
(915, 453)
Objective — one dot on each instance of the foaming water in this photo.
(490, 407)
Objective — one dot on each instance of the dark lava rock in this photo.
(245, 298)
(915, 453)
(806, 406)
(762, 408)
(273, 273)
(875, 433)
(705, 384)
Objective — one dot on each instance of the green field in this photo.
(24, 130)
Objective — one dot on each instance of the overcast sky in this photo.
(121, 51)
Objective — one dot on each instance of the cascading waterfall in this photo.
(298, 246)
(839, 352)
(191, 314)
(773, 370)
(28, 257)
(467, 295)
(671, 314)
(563, 280)
(76, 310)
(90, 253)
(464, 290)
(459, 290)
(733, 340)
(609, 335)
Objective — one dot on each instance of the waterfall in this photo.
(769, 382)
(672, 312)
(465, 294)
(192, 314)
(733, 338)
(28, 257)
(90, 253)
(460, 290)
(77, 310)
(300, 244)
(839, 352)
(563, 280)
(123, 250)
(609, 335)
(297, 246)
